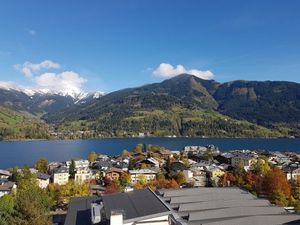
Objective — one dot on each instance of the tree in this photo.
(138, 148)
(74, 189)
(275, 181)
(6, 209)
(239, 169)
(227, 180)
(160, 176)
(32, 205)
(261, 167)
(279, 198)
(142, 179)
(125, 153)
(72, 169)
(42, 165)
(125, 179)
(112, 188)
(180, 178)
(92, 157)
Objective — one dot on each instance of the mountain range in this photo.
(184, 105)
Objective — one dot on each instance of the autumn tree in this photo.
(261, 167)
(227, 180)
(112, 188)
(92, 157)
(138, 148)
(42, 165)
(180, 178)
(279, 198)
(125, 153)
(74, 189)
(160, 176)
(125, 179)
(275, 181)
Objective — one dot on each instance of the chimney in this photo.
(116, 217)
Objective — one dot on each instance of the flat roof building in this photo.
(223, 206)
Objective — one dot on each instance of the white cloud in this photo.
(9, 85)
(28, 68)
(167, 70)
(67, 82)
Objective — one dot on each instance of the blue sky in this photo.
(109, 45)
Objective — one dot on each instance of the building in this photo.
(119, 209)
(292, 172)
(4, 174)
(7, 188)
(214, 171)
(43, 180)
(60, 176)
(223, 206)
(83, 175)
(113, 173)
(137, 174)
(149, 162)
(247, 160)
(82, 163)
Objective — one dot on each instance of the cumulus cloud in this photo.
(167, 70)
(28, 68)
(66, 82)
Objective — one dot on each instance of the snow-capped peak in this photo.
(77, 95)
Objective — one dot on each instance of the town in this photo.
(165, 179)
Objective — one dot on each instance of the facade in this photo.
(4, 174)
(215, 171)
(137, 174)
(60, 176)
(113, 173)
(247, 160)
(43, 180)
(292, 174)
(83, 175)
(7, 188)
(83, 163)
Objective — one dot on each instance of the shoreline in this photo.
(150, 137)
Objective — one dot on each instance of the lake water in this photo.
(27, 152)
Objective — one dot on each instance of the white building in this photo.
(82, 163)
(83, 175)
(4, 174)
(43, 180)
(61, 176)
(7, 188)
(137, 174)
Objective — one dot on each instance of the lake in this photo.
(21, 153)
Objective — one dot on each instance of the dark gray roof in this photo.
(133, 204)
(61, 169)
(42, 176)
(79, 210)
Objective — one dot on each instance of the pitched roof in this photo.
(42, 176)
(7, 186)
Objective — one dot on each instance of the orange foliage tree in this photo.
(275, 181)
